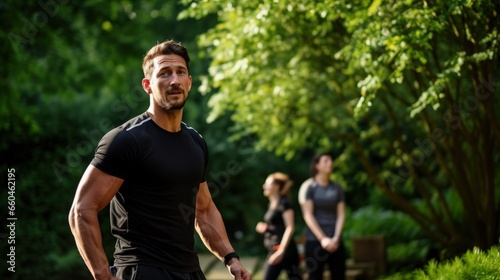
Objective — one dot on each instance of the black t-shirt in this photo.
(275, 223)
(152, 215)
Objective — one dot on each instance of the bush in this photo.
(407, 246)
(474, 264)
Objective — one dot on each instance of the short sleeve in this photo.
(303, 190)
(285, 204)
(204, 147)
(205, 156)
(309, 192)
(115, 154)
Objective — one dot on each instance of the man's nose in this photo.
(175, 80)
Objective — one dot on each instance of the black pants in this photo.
(141, 272)
(290, 264)
(316, 258)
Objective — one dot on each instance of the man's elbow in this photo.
(72, 218)
(78, 215)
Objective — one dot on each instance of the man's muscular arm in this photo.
(210, 227)
(95, 191)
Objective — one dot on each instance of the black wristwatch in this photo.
(229, 256)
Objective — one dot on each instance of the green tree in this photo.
(405, 89)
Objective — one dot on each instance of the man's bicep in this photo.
(96, 189)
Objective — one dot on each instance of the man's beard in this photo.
(170, 106)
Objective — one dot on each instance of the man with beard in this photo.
(151, 170)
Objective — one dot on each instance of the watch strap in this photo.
(229, 256)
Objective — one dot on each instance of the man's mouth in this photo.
(174, 92)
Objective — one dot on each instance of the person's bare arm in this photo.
(210, 227)
(339, 226)
(289, 220)
(95, 191)
(307, 212)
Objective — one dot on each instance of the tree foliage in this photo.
(406, 89)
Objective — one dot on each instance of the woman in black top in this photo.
(278, 229)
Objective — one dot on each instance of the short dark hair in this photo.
(166, 47)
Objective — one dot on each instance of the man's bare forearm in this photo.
(84, 225)
(210, 227)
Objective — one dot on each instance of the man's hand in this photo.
(237, 270)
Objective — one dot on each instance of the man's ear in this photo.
(190, 82)
(146, 86)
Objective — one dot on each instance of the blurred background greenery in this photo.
(401, 92)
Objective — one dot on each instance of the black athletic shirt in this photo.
(275, 224)
(152, 215)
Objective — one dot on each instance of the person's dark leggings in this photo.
(316, 258)
(290, 264)
(141, 272)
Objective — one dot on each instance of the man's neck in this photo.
(168, 120)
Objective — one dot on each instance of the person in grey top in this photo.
(324, 214)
